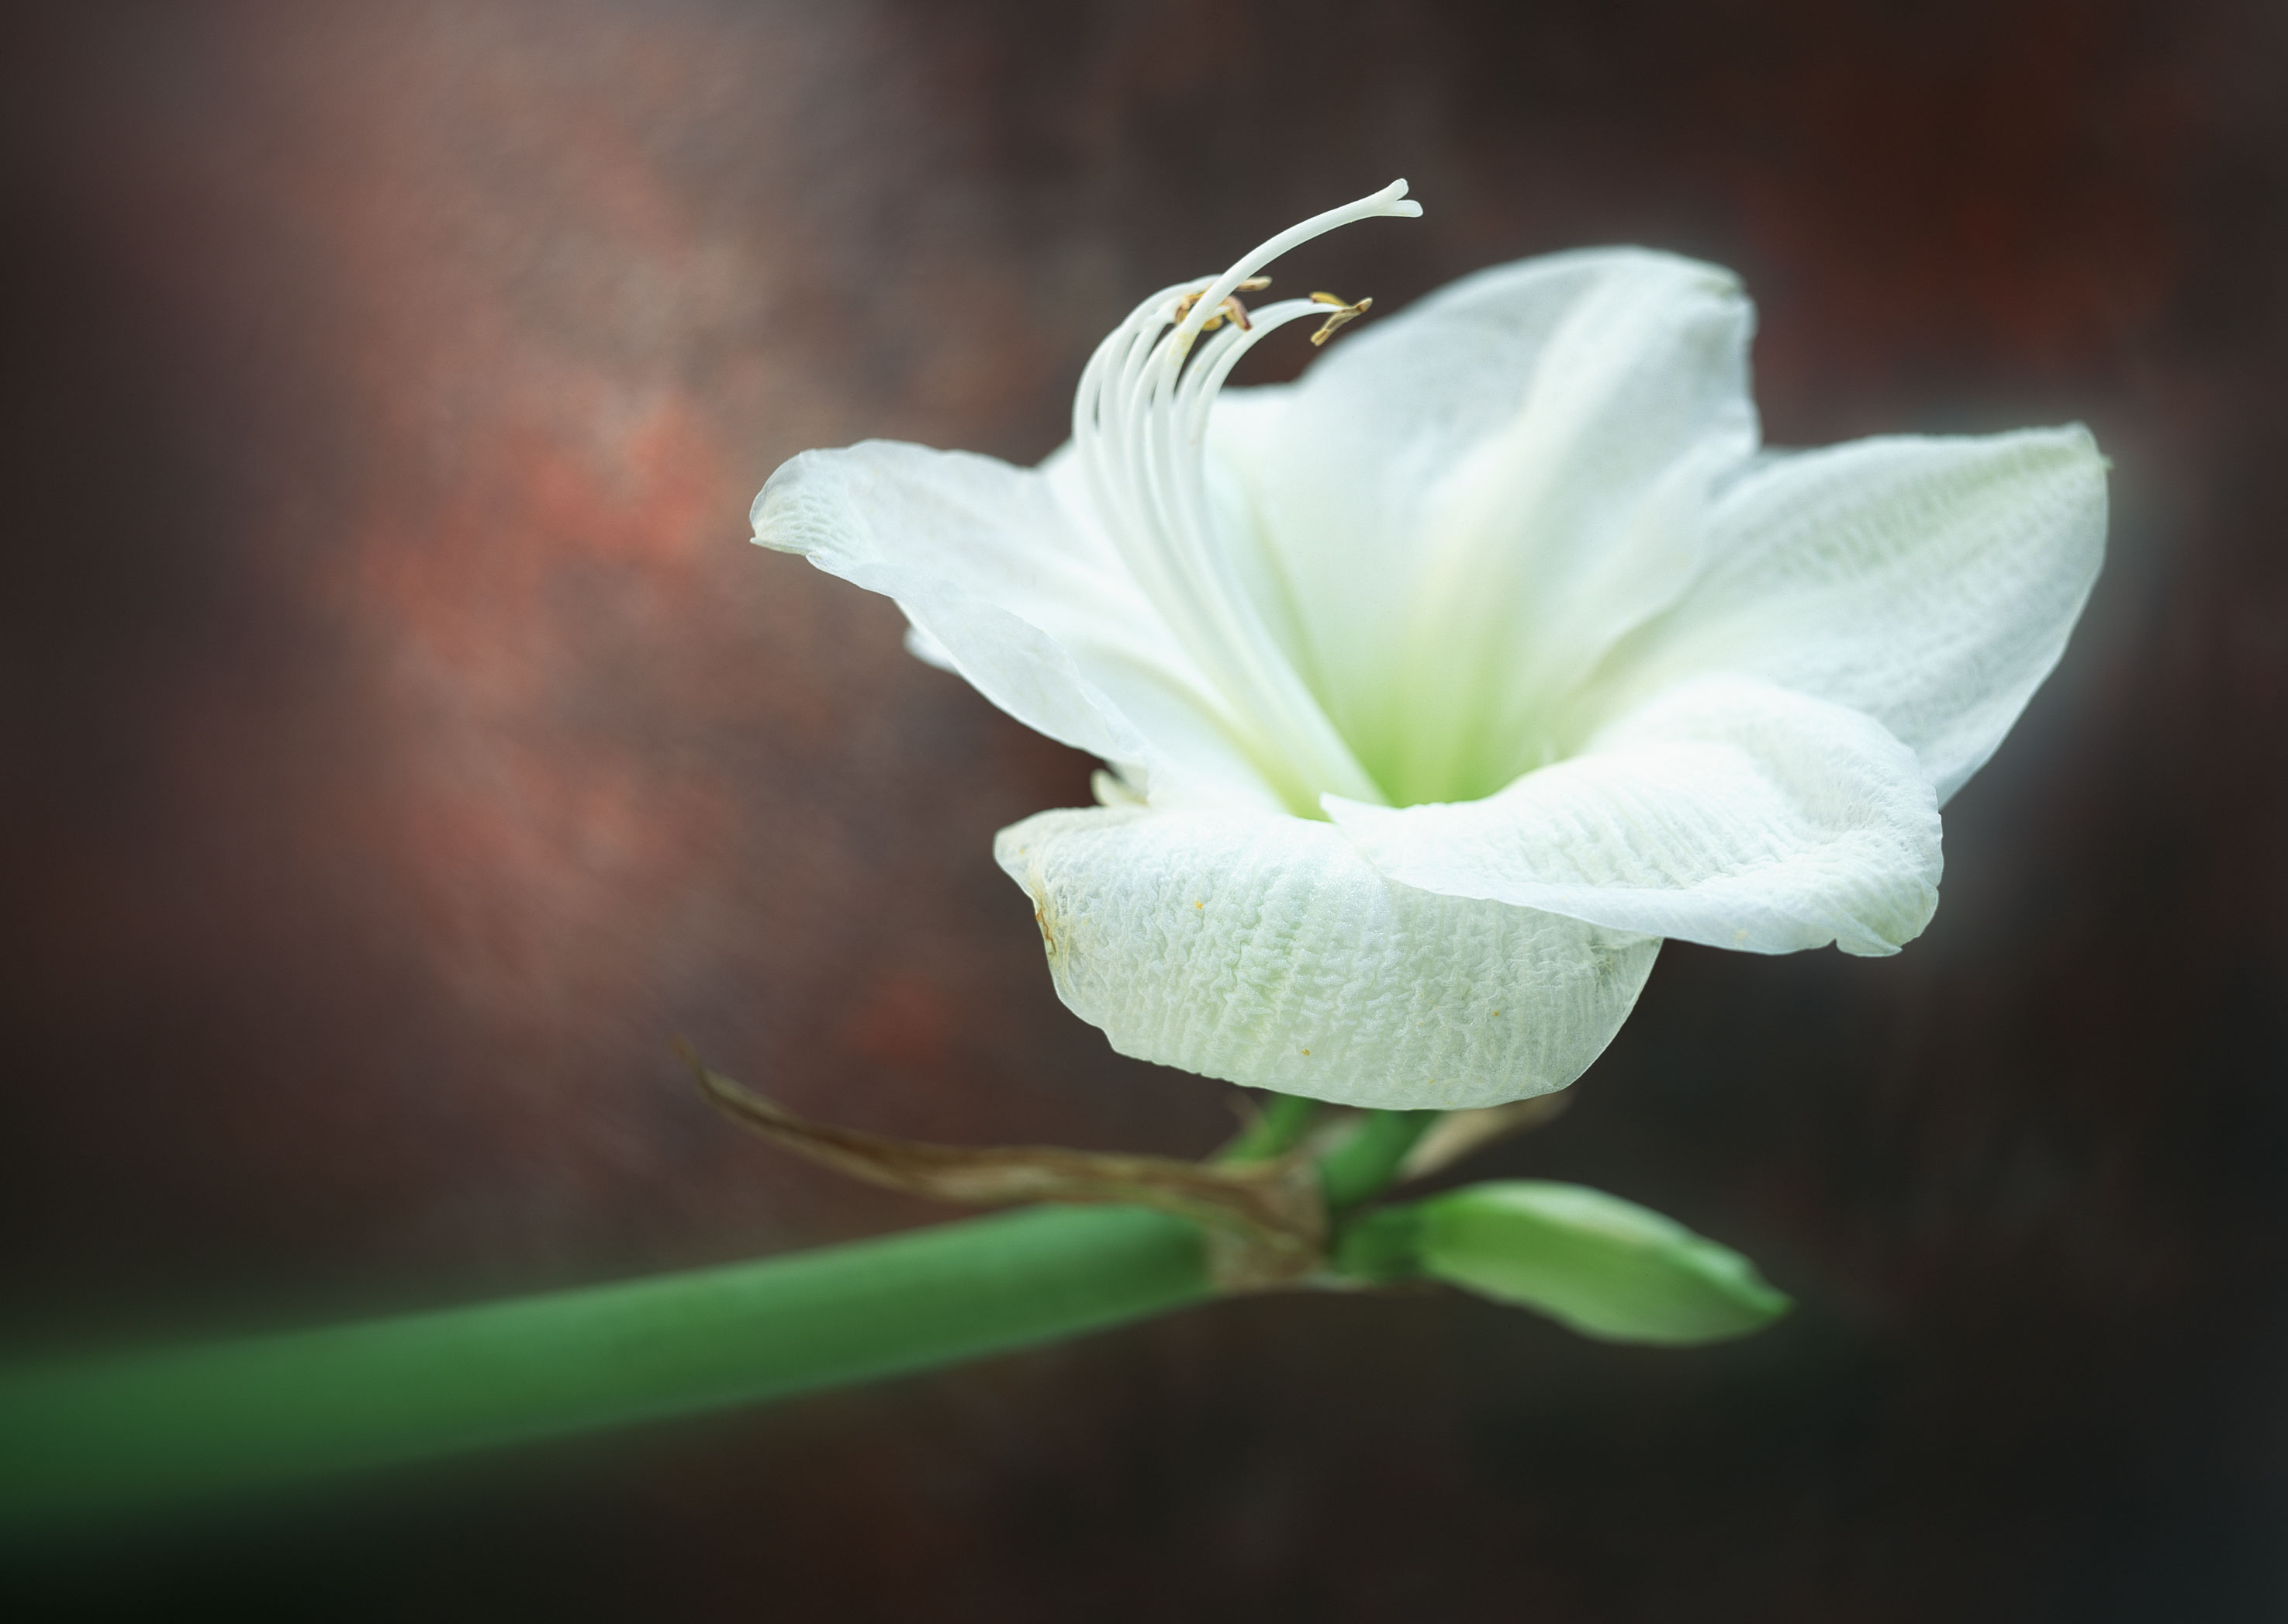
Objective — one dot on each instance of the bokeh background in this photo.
(402, 745)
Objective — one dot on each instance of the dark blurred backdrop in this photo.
(401, 744)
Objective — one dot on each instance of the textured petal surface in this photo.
(1929, 583)
(1472, 500)
(1009, 587)
(1268, 951)
(1726, 812)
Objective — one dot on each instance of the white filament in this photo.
(1139, 422)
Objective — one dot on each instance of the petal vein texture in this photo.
(1267, 948)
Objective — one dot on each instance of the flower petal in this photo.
(1929, 583)
(1475, 500)
(1725, 812)
(1268, 951)
(1005, 585)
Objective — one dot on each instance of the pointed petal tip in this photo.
(2085, 443)
(769, 516)
(2073, 441)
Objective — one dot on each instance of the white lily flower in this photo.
(1444, 684)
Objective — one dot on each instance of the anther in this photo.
(1344, 312)
(1230, 310)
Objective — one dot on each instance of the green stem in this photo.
(1363, 1165)
(173, 1424)
(1285, 1118)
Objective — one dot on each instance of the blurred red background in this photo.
(402, 744)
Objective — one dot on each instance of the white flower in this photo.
(1442, 685)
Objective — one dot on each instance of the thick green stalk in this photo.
(1285, 1119)
(1364, 1166)
(173, 1424)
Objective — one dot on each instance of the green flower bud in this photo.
(1607, 1267)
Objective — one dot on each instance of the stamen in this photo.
(1230, 308)
(1344, 312)
(1140, 425)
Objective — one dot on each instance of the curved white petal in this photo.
(1010, 588)
(928, 650)
(1268, 951)
(1725, 812)
(1929, 583)
(1472, 500)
